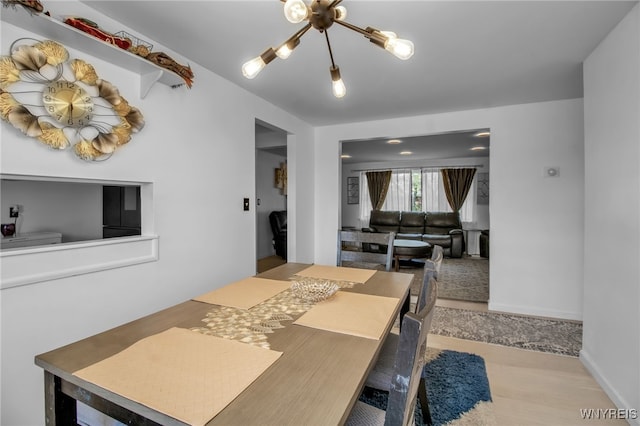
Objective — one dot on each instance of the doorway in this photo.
(271, 193)
(416, 185)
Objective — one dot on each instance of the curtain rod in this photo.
(477, 166)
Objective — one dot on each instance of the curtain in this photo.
(434, 198)
(378, 183)
(399, 193)
(457, 183)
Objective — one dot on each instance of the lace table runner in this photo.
(252, 325)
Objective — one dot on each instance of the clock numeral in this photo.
(70, 85)
(87, 99)
(70, 121)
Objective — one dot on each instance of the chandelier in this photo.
(322, 14)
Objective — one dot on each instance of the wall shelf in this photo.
(53, 29)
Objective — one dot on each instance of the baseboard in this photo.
(534, 311)
(606, 386)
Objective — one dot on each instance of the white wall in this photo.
(73, 209)
(271, 198)
(536, 222)
(611, 341)
(198, 149)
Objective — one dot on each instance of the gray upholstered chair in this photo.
(380, 375)
(405, 376)
(437, 254)
(350, 247)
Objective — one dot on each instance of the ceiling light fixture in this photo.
(406, 152)
(321, 14)
(345, 156)
(478, 148)
(482, 134)
(394, 141)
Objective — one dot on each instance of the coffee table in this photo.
(409, 249)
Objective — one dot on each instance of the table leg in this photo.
(60, 409)
(406, 306)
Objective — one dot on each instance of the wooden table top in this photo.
(316, 381)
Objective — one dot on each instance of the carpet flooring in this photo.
(459, 279)
(457, 387)
(524, 332)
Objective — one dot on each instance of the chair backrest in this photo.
(355, 253)
(409, 362)
(428, 280)
(278, 221)
(437, 254)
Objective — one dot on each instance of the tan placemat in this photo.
(337, 273)
(183, 374)
(357, 314)
(245, 293)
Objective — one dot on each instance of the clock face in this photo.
(68, 103)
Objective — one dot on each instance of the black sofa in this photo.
(437, 228)
(278, 222)
(484, 243)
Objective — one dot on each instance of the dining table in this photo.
(299, 372)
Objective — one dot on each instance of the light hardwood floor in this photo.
(532, 388)
(527, 387)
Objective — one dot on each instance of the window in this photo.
(416, 190)
(435, 199)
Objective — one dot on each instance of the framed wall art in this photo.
(353, 190)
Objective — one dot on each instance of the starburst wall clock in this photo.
(62, 102)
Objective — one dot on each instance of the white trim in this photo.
(26, 266)
(534, 311)
(606, 386)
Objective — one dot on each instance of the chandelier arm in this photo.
(374, 36)
(353, 28)
(326, 35)
(298, 34)
(335, 3)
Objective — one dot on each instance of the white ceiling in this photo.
(468, 54)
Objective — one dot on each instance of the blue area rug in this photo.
(456, 382)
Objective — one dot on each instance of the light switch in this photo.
(246, 204)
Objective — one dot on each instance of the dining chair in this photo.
(350, 245)
(380, 376)
(437, 254)
(405, 376)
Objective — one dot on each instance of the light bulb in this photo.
(251, 68)
(286, 49)
(339, 89)
(401, 48)
(283, 52)
(295, 11)
(341, 13)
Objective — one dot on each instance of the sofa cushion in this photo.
(417, 237)
(443, 240)
(441, 222)
(385, 221)
(412, 223)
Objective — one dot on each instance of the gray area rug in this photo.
(466, 278)
(520, 331)
(537, 334)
